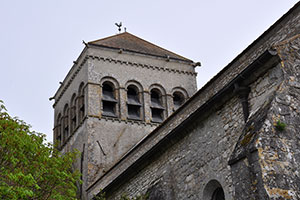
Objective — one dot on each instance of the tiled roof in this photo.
(129, 42)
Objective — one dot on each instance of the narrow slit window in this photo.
(73, 113)
(81, 103)
(66, 124)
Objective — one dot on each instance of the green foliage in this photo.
(100, 196)
(280, 126)
(31, 168)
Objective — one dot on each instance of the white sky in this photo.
(40, 39)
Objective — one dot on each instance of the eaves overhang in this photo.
(166, 57)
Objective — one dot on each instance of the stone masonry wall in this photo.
(202, 155)
(246, 172)
(108, 140)
(178, 171)
(279, 144)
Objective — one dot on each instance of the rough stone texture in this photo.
(268, 169)
(279, 150)
(202, 155)
(208, 143)
(263, 162)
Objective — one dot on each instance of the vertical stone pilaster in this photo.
(94, 98)
(170, 105)
(147, 102)
(123, 103)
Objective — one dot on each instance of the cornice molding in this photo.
(141, 65)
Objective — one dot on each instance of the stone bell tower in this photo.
(118, 90)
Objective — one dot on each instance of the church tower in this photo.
(118, 90)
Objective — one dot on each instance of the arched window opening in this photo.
(73, 113)
(133, 103)
(218, 194)
(58, 131)
(109, 101)
(157, 108)
(66, 123)
(178, 99)
(213, 191)
(81, 103)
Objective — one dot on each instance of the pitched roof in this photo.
(132, 43)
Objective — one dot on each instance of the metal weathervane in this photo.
(119, 26)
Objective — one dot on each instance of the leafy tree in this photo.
(30, 168)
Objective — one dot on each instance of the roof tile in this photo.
(129, 42)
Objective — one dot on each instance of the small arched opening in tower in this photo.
(178, 99)
(157, 108)
(109, 101)
(133, 103)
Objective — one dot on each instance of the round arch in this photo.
(109, 79)
(213, 191)
(136, 84)
(181, 90)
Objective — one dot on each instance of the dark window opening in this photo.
(81, 104)
(81, 107)
(157, 108)
(108, 92)
(157, 114)
(73, 113)
(66, 124)
(133, 103)
(155, 99)
(178, 100)
(109, 101)
(132, 96)
(73, 118)
(134, 112)
(218, 194)
(109, 108)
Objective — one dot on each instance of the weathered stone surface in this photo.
(208, 147)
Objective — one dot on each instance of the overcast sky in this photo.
(40, 39)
